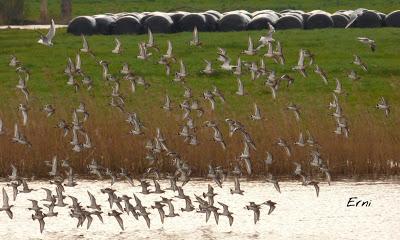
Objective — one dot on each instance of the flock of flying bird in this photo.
(158, 145)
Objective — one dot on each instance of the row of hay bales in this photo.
(161, 22)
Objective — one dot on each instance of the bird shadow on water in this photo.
(255, 235)
(207, 233)
(162, 233)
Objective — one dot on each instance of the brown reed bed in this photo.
(371, 150)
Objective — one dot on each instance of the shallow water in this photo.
(299, 213)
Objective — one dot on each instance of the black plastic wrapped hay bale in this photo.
(82, 25)
(233, 22)
(253, 14)
(217, 14)
(191, 20)
(366, 19)
(128, 25)
(147, 15)
(319, 19)
(305, 17)
(393, 19)
(292, 11)
(369, 19)
(177, 16)
(104, 24)
(244, 12)
(159, 23)
(260, 21)
(383, 19)
(289, 21)
(211, 22)
(340, 20)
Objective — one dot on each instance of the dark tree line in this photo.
(12, 11)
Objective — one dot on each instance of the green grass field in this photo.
(334, 51)
(374, 139)
(91, 7)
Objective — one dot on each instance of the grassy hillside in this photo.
(90, 7)
(373, 141)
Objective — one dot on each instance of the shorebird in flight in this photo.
(226, 212)
(371, 43)
(118, 46)
(182, 74)
(23, 86)
(143, 53)
(279, 53)
(272, 179)
(47, 40)
(19, 137)
(257, 113)
(151, 42)
(357, 61)
(85, 46)
(237, 189)
(250, 49)
(321, 73)
(353, 75)
(208, 70)
(338, 89)
(268, 37)
(195, 40)
(169, 54)
(14, 62)
(6, 206)
(295, 109)
(240, 90)
(256, 209)
(383, 105)
(301, 64)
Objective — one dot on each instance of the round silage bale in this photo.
(233, 21)
(191, 20)
(211, 21)
(147, 15)
(305, 17)
(241, 11)
(347, 13)
(159, 23)
(268, 12)
(365, 19)
(369, 19)
(104, 24)
(393, 19)
(291, 11)
(260, 21)
(136, 14)
(340, 20)
(176, 16)
(82, 25)
(253, 14)
(383, 18)
(285, 11)
(128, 25)
(289, 21)
(319, 19)
(217, 14)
